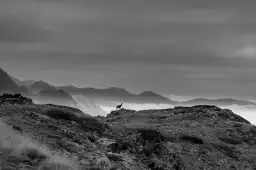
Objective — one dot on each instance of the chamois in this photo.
(119, 106)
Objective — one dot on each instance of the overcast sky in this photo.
(182, 47)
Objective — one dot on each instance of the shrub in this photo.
(192, 139)
(17, 95)
(230, 140)
(87, 123)
(151, 134)
(61, 114)
(227, 150)
(253, 130)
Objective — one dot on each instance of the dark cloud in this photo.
(17, 31)
(187, 46)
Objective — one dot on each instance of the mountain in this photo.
(22, 82)
(38, 86)
(117, 95)
(217, 102)
(153, 97)
(7, 84)
(182, 138)
(54, 96)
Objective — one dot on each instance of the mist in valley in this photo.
(95, 108)
(247, 112)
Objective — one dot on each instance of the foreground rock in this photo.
(183, 138)
(198, 137)
(14, 99)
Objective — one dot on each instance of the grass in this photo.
(230, 140)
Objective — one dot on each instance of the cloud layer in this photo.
(190, 47)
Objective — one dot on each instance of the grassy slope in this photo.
(61, 135)
(201, 137)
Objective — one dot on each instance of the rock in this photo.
(114, 156)
(14, 99)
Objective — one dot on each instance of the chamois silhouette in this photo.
(119, 106)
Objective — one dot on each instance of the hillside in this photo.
(7, 84)
(53, 96)
(22, 82)
(38, 86)
(182, 138)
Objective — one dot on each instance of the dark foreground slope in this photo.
(199, 137)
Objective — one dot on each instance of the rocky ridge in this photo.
(181, 138)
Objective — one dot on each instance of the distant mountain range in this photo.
(22, 82)
(38, 86)
(44, 92)
(118, 95)
(217, 102)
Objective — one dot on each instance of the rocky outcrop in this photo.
(197, 137)
(181, 138)
(14, 99)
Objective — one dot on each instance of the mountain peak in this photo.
(149, 93)
(40, 82)
(7, 84)
(117, 89)
(39, 86)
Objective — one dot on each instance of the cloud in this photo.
(197, 16)
(13, 30)
(134, 106)
(246, 112)
(147, 40)
(247, 52)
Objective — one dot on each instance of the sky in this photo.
(174, 47)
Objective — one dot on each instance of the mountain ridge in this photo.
(22, 82)
(40, 85)
(218, 102)
(7, 84)
(118, 94)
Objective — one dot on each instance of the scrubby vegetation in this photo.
(14, 99)
(62, 138)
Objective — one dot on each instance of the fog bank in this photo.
(247, 112)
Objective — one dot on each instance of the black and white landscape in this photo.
(127, 85)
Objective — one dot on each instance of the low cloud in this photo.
(247, 52)
(247, 112)
(134, 106)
